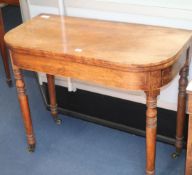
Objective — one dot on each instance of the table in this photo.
(3, 48)
(4, 51)
(10, 2)
(188, 168)
(118, 55)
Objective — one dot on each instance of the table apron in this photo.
(141, 80)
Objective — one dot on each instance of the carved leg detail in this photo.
(4, 52)
(52, 96)
(23, 100)
(151, 130)
(181, 108)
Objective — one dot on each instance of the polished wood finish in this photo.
(119, 55)
(101, 43)
(10, 2)
(23, 100)
(188, 167)
(52, 97)
(151, 130)
(4, 51)
(183, 81)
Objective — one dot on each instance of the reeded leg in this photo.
(4, 52)
(23, 100)
(181, 108)
(151, 130)
(52, 96)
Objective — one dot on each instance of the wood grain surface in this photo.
(10, 2)
(100, 42)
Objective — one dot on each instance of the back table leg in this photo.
(181, 107)
(188, 167)
(23, 100)
(52, 97)
(4, 51)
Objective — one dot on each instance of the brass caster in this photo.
(175, 155)
(9, 83)
(58, 121)
(31, 148)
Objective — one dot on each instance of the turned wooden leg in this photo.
(52, 97)
(23, 100)
(4, 51)
(181, 107)
(151, 129)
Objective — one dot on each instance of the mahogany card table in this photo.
(112, 54)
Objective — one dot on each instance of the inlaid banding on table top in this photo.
(101, 42)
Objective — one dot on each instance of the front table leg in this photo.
(52, 97)
(23, 100)
(151, 130)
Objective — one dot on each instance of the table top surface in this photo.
(99, 42)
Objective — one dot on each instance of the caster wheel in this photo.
(31, 148)
(175, 155)
(58, 121)
(9, 83)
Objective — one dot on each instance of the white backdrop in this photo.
(178, 4)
